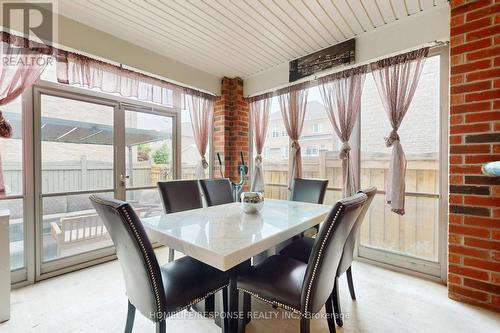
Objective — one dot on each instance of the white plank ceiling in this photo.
(239, 37)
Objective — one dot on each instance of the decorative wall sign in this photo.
(336, 55)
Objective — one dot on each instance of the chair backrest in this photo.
(180, 195)
(217, 191)
(327, 251)
(309, 190)
(350, 244)
(135, 254)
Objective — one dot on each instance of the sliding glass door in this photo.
(150, 157)
(76, 140)
(87, 142)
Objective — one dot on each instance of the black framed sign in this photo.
(336, 55)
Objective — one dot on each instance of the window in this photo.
(14, 200)
(318, 133)
(284, 152)
(265, 153)
(412, 241)
(312, 151)
(316, 128)
(416, 233)
(275, 156)
(189, 153)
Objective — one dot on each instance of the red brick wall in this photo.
(231, 128)
(474, 230)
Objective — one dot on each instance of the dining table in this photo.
(227, 238)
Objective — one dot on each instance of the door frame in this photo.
(121, 154)
(36, 269)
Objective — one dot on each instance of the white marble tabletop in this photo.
(223, 236)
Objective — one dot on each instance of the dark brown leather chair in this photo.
(309, 190)
(178, 196)
(156, 291)
(217, 191)
(304, 288)
(301, 250)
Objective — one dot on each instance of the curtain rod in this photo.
(312, 79)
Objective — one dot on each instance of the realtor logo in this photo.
(34, 20)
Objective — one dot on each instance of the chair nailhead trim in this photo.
(197, 300)
(274, 303)
(145, 254)
(316, 264)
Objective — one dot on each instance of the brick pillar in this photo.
(231, 128)
(474, 229)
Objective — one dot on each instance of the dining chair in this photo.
(301, 249)
(217, 191)
(156, 291)
(178, 196)
(311, 191)
(303, 288)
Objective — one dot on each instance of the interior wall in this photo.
(415, 30)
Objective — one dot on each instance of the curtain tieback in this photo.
(204, 162)
(258, 160)
(295, 145)
(5, 127)
(344, 150)
(393, 137)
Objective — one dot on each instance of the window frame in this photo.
(34, 269)
(406, 263)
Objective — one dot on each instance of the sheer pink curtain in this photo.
(201, 111)
(293, 104)
(19, 69)
(397, 79)
(341, 94)
(259, 114)
(75, 69)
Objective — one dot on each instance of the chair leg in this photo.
(225, 311)
(161, 327)
(242, 309)
(171, 253)
(305, 325)
(130, 318)
(336, 303)
(330, 315)
(350, 283)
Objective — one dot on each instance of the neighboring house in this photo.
(317, 135)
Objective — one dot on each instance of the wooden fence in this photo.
(85, 175)
(415, 233)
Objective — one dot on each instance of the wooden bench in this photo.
(78, 232)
